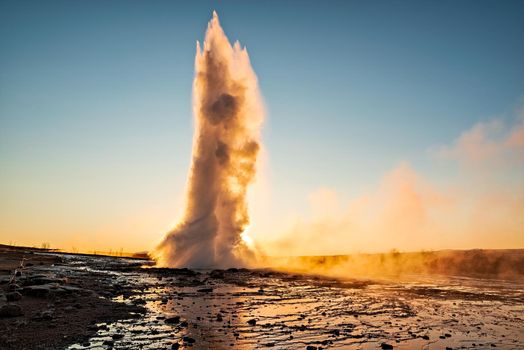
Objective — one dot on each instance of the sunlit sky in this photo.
(370, 105)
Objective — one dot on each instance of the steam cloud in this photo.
(228, 114)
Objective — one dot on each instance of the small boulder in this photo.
(172, 320)
(188, 340)
(386, 346)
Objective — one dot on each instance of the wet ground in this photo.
(258, 309)
(254, 309)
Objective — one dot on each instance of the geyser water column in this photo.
(228, 114)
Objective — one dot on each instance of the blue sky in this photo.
(95, 97)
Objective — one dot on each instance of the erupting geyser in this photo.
(228, 114)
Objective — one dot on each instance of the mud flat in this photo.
(126, 306)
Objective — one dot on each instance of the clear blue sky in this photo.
(95, 96)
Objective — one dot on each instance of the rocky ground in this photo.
(103, 303)
(44, 305)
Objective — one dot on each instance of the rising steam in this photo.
(228, 114)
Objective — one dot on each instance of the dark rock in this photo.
(13, 287)
(40, 291)
(386, 346)
(11, 310)
(205, 290)
(311, 347)
(13, 296)
(219, 318)
(117, 336)
(183, 324)
(252, 322)
(175, 346)
(425, 337)
(47, 315)
(217, 274)
(188, 340)
(335, 332)
(172, 320)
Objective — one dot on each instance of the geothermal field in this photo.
(65, 301)
(216, 278)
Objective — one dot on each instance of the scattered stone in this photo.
(386, 346)
(205, 290)
(117, 336)
(425, 337)
(219, 318)
(175, 346)
(11, 310)
(311, 347)
(252, 322)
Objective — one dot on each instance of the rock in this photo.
(386, 346)
(117, 336)
(43, 291)
(47, 315)
(11, 310)
(68, 308)
(311, 347)
(425, 337)
(252, 322)
(188, 340)
(43, 279)
(184, 324)
(335, 332)
(13, 287)
(205, 290)
(13, 296)
(219, 318)
(172, 320)
(175, 346)
(217, 274)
